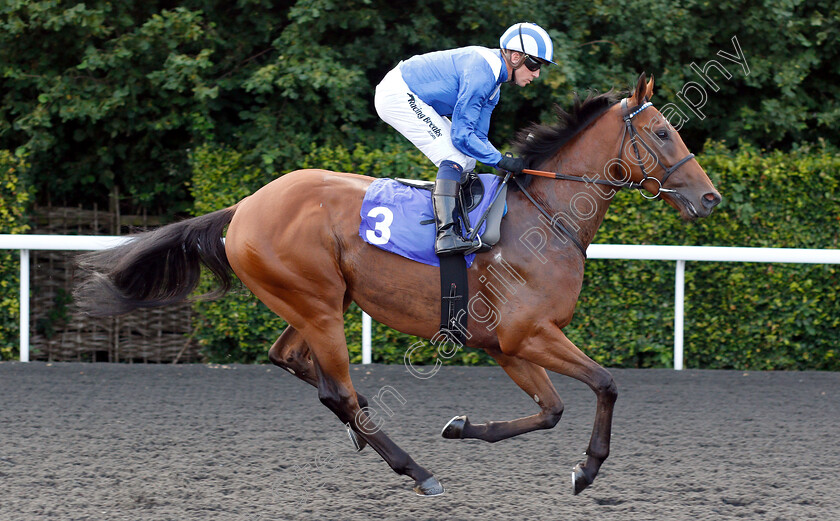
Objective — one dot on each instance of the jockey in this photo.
(442, 101)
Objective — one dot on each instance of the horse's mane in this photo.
(537, 143)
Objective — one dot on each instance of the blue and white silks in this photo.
(464, 85)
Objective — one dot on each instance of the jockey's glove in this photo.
(511, 163)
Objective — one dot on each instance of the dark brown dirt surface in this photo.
(252, 443)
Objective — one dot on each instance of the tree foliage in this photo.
(104, 96)
(109, 97)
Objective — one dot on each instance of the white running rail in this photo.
(680, 254)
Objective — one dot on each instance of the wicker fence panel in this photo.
(162, 335)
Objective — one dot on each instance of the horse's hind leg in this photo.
(291, 352)
(335, 390)
(296, 272)
(534, 381)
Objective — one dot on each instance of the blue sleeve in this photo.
(483, 127)
(477, 97)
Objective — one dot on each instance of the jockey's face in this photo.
(523, 75)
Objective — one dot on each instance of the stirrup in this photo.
(449, 234)
(475, 248)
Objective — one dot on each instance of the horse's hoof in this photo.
(429, 487)
(358, 443)
(455, 428)
(579, 479)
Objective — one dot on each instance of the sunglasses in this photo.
(532, 64)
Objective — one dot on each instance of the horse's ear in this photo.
(641, 90)
(649, 88)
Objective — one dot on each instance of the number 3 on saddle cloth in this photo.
(397, 215)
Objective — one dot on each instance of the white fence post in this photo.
(679, 300)
(24, 305)
(366, 334)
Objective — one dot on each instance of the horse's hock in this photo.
(160, 335)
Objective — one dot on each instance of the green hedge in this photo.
(13, 200)
(738, 315)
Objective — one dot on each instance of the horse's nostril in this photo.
(711, 199)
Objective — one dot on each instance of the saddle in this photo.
(472, 193)
(454, 286)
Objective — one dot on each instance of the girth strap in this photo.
(455, 294)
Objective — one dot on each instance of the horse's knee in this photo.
(329, 397)
(604, 386)
(289, 361)
(291, 355)
(363, 402)
(275, 354)
(337, 399)
(551, 415)
(275, 357)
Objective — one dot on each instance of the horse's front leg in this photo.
(534, 381)
(550, 349)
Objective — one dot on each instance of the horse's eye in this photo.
(662, 134)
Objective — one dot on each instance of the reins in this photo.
(554, 222)
(553, 175)
(629, 114)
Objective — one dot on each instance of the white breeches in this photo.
(430, 132)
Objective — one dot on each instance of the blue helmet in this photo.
(530, 39)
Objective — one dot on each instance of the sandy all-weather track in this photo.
(102, 441)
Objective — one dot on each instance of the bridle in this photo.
(635, 139)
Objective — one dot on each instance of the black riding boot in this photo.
(449, 240)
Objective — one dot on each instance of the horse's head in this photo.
(653, 155)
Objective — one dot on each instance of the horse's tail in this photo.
(155, 268)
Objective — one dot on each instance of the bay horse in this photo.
(295, 244)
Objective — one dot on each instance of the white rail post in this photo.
(24, 305)
(366, 333)
(679, 298)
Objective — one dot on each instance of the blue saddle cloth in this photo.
(392, 214)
